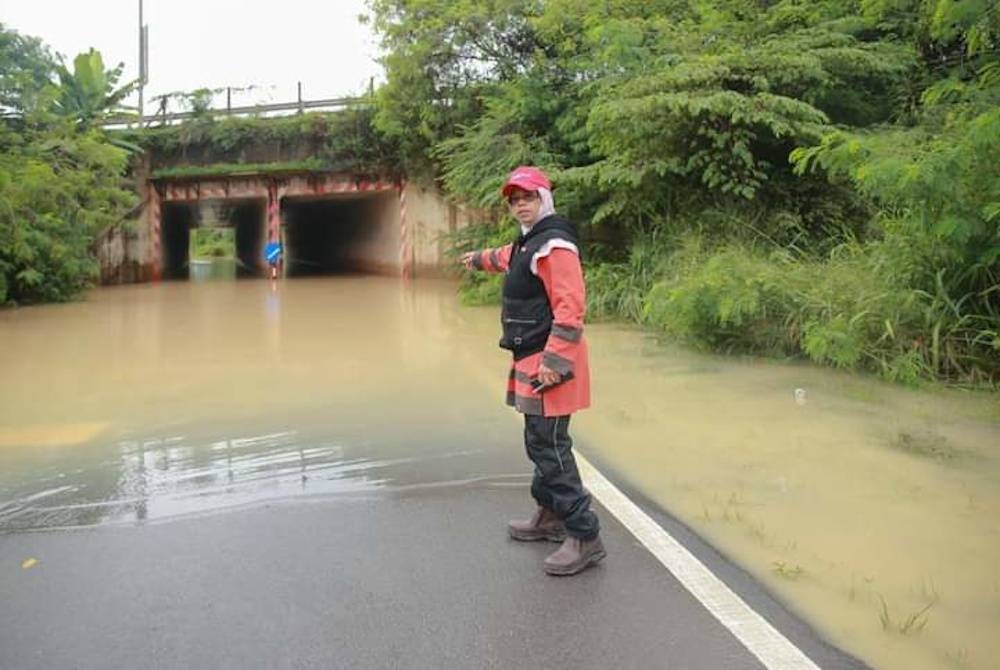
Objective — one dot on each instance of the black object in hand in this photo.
(537, 385)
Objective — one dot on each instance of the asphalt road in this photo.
(416, 576)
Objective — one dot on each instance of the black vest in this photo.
(526, 315)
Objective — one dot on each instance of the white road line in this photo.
(760, 638)
(773, 649)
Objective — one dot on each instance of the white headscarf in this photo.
(547, 208)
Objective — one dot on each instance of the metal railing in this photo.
(165, 117)
(162, 117)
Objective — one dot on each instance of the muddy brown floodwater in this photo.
(872, 510)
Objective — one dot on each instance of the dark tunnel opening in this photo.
(178, 220)
(248, 218)
(245, 217)
(334, 235)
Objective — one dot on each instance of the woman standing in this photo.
(544, 301)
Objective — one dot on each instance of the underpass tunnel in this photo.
(246, 217)
(349, 232)
(178, 220)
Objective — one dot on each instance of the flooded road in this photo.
(873, 510)
(153, 401)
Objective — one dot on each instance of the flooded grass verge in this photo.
(869, 508)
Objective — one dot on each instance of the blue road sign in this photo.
(272, 252)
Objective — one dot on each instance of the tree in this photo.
(88, 94)
(25, 75)
(60, 179)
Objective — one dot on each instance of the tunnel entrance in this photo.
(245, 218)
(178, 220)
(339, 234)
(248, 218)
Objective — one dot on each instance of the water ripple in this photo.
(163, 478)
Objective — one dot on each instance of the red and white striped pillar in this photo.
(273, 212)
(405, 247)
(155, 214)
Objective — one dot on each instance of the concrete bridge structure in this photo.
(328, 221)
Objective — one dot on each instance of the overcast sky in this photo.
(215, 43)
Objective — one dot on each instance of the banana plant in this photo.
(88, 94)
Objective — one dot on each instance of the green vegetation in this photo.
(913, 623)
(219, 169)
(209, 243)
(809, 179)
(787, 571)
(925, 445)
(88, 93)
(338, 141)
(61, 177)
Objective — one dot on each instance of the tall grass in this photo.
(842, 310)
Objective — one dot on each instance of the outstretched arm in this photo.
(488, 260)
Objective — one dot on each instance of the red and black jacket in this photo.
(526, 315)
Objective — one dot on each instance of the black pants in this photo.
(556, 484)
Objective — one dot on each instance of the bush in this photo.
(58, 188)
(60, 178)
(213, 243)
(848, 310)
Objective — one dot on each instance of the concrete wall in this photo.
(376, 247)
(122, 253)
(262, 150)
(431, 217)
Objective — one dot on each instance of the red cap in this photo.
(526, 177)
